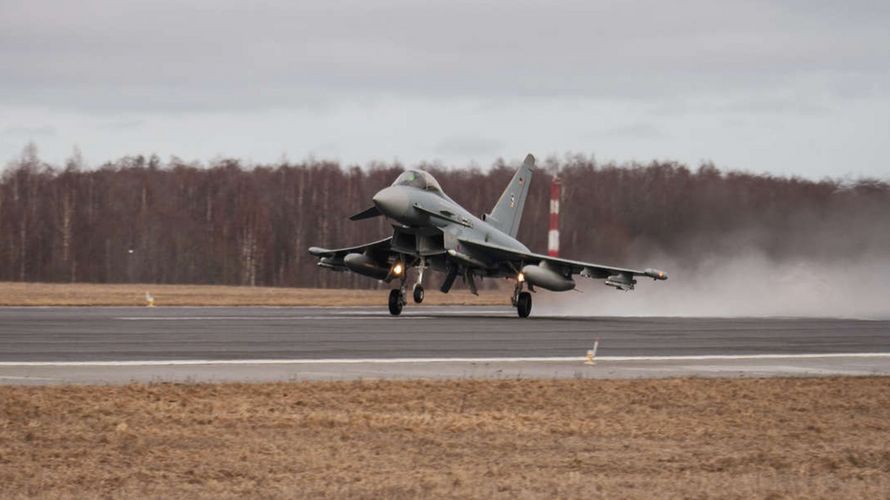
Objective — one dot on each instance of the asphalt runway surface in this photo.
(115, 344)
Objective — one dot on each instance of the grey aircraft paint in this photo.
(432, 231)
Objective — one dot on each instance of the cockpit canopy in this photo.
(419, 179)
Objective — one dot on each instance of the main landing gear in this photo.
(522, 301)
(396, 301)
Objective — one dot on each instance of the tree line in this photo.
(138, 219)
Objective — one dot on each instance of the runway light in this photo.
(397, 269)
(520, 277)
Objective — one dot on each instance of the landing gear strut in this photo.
(522, 301)
(418, 287)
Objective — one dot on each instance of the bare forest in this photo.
(139, 219)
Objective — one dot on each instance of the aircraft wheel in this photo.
(418, 294)
(395, 302)
(524, 304)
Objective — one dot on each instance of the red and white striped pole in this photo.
(553, 234)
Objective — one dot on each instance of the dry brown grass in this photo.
(695, 438)
(88, 294)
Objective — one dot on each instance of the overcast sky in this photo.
(790, 87)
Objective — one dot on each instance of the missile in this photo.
(621, 281)
(545, 277)
(466, 258)
(366, 266)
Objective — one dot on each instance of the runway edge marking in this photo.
(187, 362)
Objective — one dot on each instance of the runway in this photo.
(113, 345)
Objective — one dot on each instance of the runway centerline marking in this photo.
(190, 362)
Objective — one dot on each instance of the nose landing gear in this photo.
(524, 304)
(398, 296)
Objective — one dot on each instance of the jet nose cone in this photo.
(390, 201)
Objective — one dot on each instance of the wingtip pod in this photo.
(656, 274)
(317, 251)
(529, 161)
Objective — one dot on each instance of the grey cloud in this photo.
(782, 103)
(205, 55)
(41, 131)
(471, 146)
(635, 130)
(121, 125)
(806, 84)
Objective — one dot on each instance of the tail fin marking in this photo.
(507, 212)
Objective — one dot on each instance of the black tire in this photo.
(395, 302)
(524, 304)
(418, 294)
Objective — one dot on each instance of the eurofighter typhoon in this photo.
(431, 231)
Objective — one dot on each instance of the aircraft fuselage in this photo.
(416, 208)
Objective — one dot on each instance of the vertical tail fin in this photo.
(507, 212)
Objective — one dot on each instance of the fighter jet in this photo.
(431, 231)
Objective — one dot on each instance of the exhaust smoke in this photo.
(747, 285)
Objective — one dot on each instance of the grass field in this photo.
(689, 438)
(88, 294)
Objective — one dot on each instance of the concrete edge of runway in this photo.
(607, 367)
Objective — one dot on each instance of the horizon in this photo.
(546, 163)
